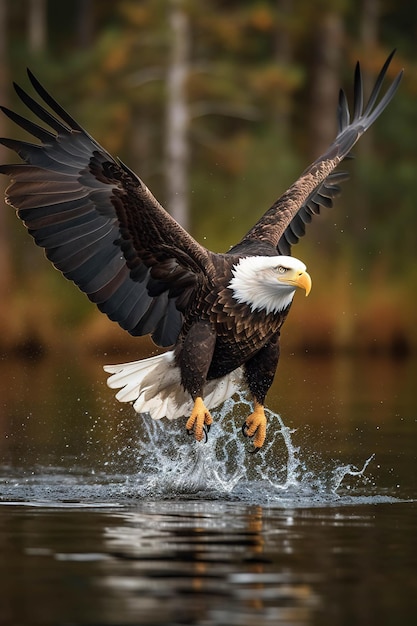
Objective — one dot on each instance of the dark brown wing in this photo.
(284, 223)
(100, 225)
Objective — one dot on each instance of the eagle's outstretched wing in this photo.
(100, 225)
(284, 223)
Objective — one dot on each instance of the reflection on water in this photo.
(208, 563)
(106, 518)
(223, 565)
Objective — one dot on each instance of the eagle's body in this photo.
(217, 316)
(221, 313)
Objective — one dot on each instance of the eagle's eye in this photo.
(281, 269)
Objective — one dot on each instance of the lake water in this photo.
(109, 519)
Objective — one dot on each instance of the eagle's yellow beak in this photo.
(303, 280)
(298, 278)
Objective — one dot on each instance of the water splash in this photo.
(157, 461)
(172, 466)
(340, 473)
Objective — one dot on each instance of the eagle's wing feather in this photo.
(284, 223)
(99, 224)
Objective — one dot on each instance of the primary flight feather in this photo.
(221, 314)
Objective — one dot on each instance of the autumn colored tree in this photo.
(218, 106)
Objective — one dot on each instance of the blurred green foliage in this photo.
(251, 78)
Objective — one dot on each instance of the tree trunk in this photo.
(283, 55)
(37, 26)
(5, 252)
(325, 81)
(177, 115)
(369, 25)
(85, 23)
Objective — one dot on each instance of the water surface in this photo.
(109, 519)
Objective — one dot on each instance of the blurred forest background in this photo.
(219, 105)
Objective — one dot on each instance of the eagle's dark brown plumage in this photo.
(222, 313)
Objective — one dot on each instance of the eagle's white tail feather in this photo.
(154, 386)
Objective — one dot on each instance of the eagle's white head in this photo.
(268, 283)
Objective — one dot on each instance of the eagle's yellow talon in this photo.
(255, 424)
(199, 418)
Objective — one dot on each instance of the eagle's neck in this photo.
(251, 286)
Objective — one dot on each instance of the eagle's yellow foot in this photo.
(255, 424)
(199, 421)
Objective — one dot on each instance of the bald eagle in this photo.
(220, 314)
